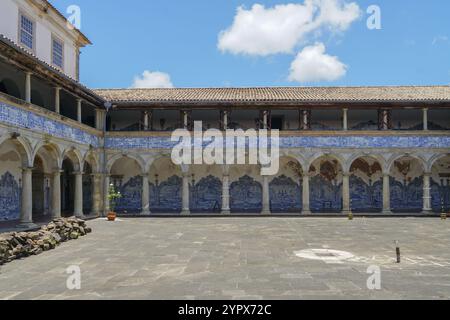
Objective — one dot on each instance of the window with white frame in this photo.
(57, 53)
(26, 32)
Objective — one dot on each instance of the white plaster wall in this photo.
(164, 168)
(10, 161)
(415, 169)
(238, 171)
(126, 167)
(44, 28)
(202, 171)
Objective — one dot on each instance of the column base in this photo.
(306, 212)
(427, 212)
(80, 216)
(186, 212)
(145, 213)
(27, 225)
(266, 212)
(387, 212)
(346, 212)
(226, 212)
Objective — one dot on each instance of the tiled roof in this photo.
(279, 95)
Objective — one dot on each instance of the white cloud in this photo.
(150, 79)
(439, 39)
(312, 64)
(265, 31)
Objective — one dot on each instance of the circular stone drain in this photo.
(325, 255)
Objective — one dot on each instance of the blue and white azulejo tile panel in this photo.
(14, 116)
(406, 142)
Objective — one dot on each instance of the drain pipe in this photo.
(108, 106)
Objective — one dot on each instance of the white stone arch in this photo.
(53, 150)
(74, 156)
(92, 158)
(119, 156)
(23, 147)
(434, 159)
(396, 157)
(299, 158)
(316, 157)
(153, 159)
(358, 155)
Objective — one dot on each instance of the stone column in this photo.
(145, 195)
(145, 120)
(26, 214)
(345, 119)
(28, 87)
(265, 119)
(185, 195)
(78, 199)
(100, 119)
(58, 100)
(386, 194)
(346, 193)
(226, 193)
(306, 209)
(426, 193)
(225, 120)
(425, 119)
(106, 204)
(79, 115)
(56, 195)
(96, 195)
(266, 196)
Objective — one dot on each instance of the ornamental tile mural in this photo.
(87, 194)
(366, 197)
(285, 195)
(165, 197)
(28, 120)
(325, 195)
(9, 198)
(206, 195)
(440, 196)
(406, 196)
(246, 195)
(131, 200)
(402, 142)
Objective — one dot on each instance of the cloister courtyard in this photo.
(241, 258)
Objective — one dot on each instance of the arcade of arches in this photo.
(64, 184)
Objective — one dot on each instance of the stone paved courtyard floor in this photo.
(240, 258)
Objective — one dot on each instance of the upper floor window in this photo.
(57, 53)
(27, 32)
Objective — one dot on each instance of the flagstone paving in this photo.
(241, 258)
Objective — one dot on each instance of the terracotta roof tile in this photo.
(279, 94)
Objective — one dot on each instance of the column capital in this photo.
(27, 169)
(427, 173)
(78, 173)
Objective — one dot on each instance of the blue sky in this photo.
(180, 38)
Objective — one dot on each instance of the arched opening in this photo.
(406, 185)
(326, 185)
(205, 189)
(10, 87)
(165, 179)
(40, 190)
(88, 190)
(12, 158)
(440, 185)
(246, 189)
(285, 188)
(366, 185)
(126, 176)
(67, 188)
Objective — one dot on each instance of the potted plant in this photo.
(113, 195)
